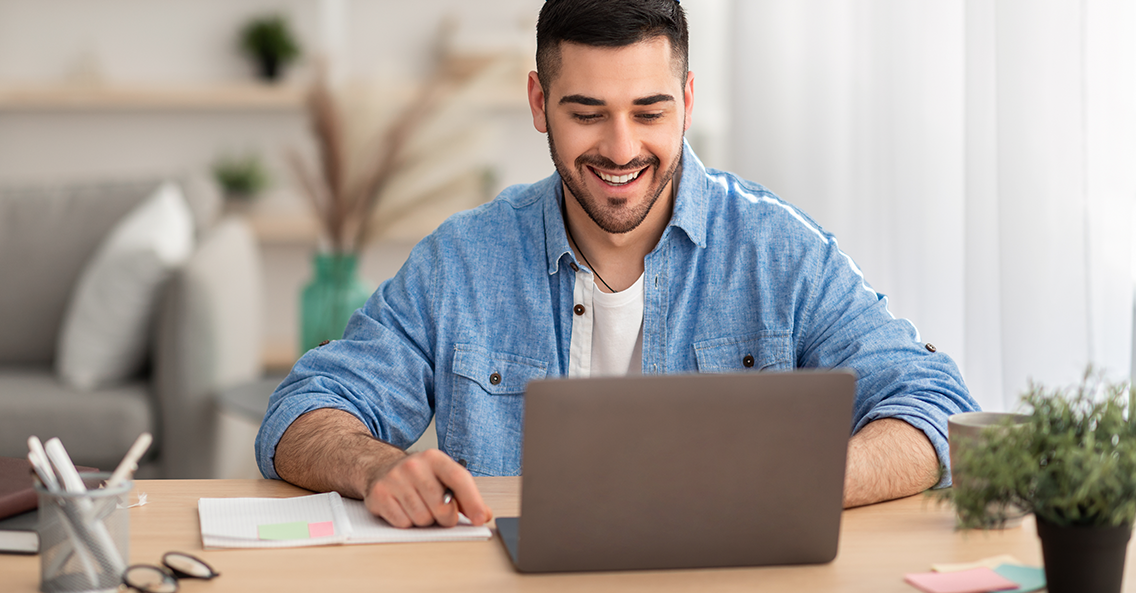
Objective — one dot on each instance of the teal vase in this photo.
(328, 301)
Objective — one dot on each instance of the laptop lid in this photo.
(682, 471)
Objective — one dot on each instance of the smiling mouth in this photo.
(618, 179)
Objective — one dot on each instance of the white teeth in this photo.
(618, 179)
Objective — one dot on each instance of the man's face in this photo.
(615, 119)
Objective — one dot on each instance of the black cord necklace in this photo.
(581, 251)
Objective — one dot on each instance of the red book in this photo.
(17, 492)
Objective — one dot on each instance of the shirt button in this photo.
(578, 309)
(748, 361)
(930, 347)
(495, 378)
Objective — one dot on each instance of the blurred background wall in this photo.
(976, 158)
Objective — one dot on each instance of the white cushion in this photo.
(106, 330)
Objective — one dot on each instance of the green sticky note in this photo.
(282, 531)
(1028, 578)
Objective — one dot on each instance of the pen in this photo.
(126, 467)
(38, 458)
(129, 463)
(91, 531)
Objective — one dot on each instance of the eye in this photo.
(651, 116)
(586, 117)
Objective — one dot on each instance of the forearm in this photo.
(329, 449)
(888, 459)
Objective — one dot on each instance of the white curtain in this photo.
(977, 159)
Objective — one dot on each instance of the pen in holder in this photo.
(84, 537)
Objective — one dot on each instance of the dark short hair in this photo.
(607, 23)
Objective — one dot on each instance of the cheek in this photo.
(570, 143)
(665, 146)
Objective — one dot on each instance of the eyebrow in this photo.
(653, 99)
(594, 102)
(582, 100)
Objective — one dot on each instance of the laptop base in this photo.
(508, 529)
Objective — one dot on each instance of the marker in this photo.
(38, 457)
(65, 469)
(92, 532)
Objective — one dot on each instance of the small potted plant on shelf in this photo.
(241, 178)
(1073, 465)
(269, 41)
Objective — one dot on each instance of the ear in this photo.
(536, 104)
(688, 99)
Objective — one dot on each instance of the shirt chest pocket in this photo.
(487, 415)
(764, 351)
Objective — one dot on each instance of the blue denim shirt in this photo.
(737, 273)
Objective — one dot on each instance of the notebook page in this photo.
(273, 522)
(369, 529)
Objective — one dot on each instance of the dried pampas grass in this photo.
(344, 195)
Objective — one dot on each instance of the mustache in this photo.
(601, 162)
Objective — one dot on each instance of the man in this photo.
(632, 257)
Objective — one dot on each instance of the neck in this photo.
(617, 258)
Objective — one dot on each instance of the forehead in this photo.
(610, 73)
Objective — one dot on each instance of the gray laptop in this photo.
(682, 471)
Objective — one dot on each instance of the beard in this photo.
(617, 219)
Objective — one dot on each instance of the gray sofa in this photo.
(206, 332)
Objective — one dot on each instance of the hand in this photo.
(410, 493)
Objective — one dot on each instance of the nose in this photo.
(620, 143)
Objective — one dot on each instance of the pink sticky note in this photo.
(323, 529)
(977, 580)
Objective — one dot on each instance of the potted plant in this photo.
(241, 178)
(1073, 465)
(269, 41)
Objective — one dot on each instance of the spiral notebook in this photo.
(315, 520)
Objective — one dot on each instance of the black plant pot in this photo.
(1083, 559)
(269, 67)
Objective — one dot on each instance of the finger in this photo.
(466, 495)
(430, 488)
(385, 506)
(416, 484)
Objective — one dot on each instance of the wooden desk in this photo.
(878, 545)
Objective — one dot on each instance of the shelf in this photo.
(286, 228)
(220, 97)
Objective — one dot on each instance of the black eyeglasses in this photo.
(148, 578)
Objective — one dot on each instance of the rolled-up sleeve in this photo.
(848, 325)
(381, 371)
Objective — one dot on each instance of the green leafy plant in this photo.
(240, 177)
(1072, 463)
(270, 41)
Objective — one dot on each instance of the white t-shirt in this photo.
(607, 339)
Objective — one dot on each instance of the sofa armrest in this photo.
(208, 338)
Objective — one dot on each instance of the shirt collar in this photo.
(690, 208)
(692, 200)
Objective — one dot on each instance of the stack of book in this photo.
(18, 502)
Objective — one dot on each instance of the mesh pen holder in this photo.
(84, 538)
